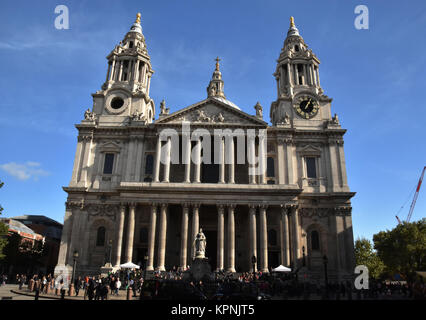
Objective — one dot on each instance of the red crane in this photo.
(416, 194)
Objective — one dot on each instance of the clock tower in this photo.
(300, 99)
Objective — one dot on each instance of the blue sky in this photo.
(376, 78)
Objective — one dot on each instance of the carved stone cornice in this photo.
(342, 211)
(315, 212)
(72, 205)
(102, 210)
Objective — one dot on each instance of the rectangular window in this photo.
(311, 168)
(109, 162)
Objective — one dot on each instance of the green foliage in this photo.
(365, 255)
(403, 249)
(3, 231)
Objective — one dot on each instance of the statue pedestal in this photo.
(200, 268)
(107, 268)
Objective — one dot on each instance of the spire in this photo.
(215, 87)
(136, 27)
(292, 31)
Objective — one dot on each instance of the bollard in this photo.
(129, 293)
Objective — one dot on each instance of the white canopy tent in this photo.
(129, 265)
(281, 268)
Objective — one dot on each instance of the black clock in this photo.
(306, 107)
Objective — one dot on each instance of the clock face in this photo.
(306, 107)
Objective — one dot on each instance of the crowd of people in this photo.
(131, 284)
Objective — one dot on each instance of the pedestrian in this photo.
(77, 285)
(117, 286)
(62, 289)
(91, 289)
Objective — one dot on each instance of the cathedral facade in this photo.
(264, 195)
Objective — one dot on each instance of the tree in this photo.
(403, 249)
(365, 255)
(3, 231)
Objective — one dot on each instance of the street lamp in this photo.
(253, 261)
(145, 258)
(71, 287)
(303, 252)
(110, 251)
(75, 257)
(325, 260)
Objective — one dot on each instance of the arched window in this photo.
(270, 168)
(100, 237)
(149, 164)
(315, 243)
(272, 237)
(143, 235)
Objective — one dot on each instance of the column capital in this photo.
(123, 205)
(220, 207)
(252, 206)
(164, 205)
(291, 208)
(231, 206)
(132, 205)
(263, 206)
(154, 204)
(195, 205)
(185, 205)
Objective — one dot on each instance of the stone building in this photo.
(142, 187)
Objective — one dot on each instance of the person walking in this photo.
(77, 285)
(117, 286)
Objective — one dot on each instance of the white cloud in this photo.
(25, 171)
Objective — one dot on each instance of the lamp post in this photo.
(110, 251)
(75, 257)
(253, 261)
(325, 260)
(145, 258)
(303, 252)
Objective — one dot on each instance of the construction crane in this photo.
(413, 203)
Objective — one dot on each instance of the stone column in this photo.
(195, 226)
(151, 237)
(252, 156)
(157, 161)
(231, 158)
(318, 78)
(262, 160)
(253, 238)
(220, 237)
(222, 161)
(121, 71)
(197, 172)
(167, 164)
(139, 154)
(231, 238)
(112, 70)
(296, 74)
(130, 158)
(184, 237)
(263, 238)
(120, 235)
(185, 137)
(162, 238)
(289, 160)
(130, 232)
(296, 235)
(280, 159)
(65, 237)
(284, 237)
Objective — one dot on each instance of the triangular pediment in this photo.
(310, 150)
(109, 147)
(212, 111)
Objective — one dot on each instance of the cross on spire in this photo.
(138, 18)
(217, 63)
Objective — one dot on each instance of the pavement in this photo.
(12, 292)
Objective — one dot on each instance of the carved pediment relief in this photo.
(211, 112)
(109, 147)
(310, 150)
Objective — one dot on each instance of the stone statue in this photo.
(212, 91)
(335, 119)
(89, 115)
(200, 244)
(163, 109)
(259, 110)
